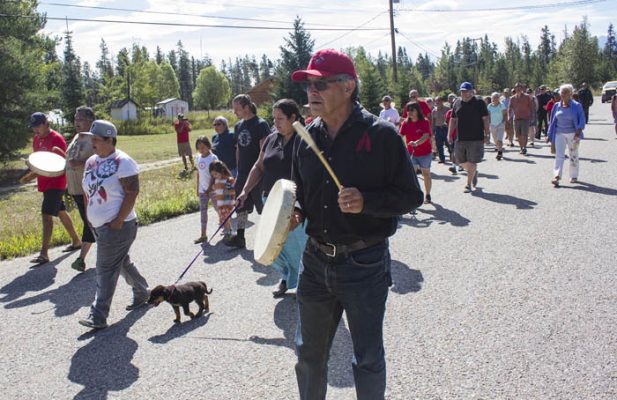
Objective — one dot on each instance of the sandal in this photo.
(71, 248)
(40, 260)
(573, 180)
(555, 181)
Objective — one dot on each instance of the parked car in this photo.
(608, 90)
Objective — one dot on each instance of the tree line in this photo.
(33, 77)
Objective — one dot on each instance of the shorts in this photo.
(498, 131)
(52, 202)
(422, 162)
(469, 151)
(521, 127)
(184, 149)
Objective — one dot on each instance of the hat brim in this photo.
(302, 75)
(34, 125)
(392, 104)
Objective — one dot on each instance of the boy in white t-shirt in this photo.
(111, 186)
(203, 161)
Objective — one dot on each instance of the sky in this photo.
(423, 26)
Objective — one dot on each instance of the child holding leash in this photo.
(223, 193)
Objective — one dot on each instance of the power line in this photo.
(510, 8)
(113, 21)
(355, 29)
(177, 13)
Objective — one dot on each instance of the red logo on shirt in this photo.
(364, 143)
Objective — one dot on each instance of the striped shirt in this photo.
(224, 192)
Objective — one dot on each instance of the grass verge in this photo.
(163, 195)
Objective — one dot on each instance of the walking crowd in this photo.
(337, 253)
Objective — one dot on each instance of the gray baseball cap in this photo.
(103, 129)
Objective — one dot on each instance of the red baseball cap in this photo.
(326, 63)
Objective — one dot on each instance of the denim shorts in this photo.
(422, 162)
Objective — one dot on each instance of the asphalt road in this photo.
(508, 293)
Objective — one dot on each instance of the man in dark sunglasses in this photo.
(346, 262)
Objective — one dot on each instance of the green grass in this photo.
(150, 148)
(163, 195)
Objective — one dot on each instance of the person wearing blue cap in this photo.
(471, 121)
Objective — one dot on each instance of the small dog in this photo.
(180, 296)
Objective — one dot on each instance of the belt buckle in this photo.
(333, 250)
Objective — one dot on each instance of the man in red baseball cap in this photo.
(346, 262)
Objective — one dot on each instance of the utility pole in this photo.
(394, 72)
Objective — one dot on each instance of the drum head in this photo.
(273, 225)
(46, 163)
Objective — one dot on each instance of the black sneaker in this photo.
(467, 189)
(136, 304)
(90, 322)
(499, 155)
(524, 151)
(236, 241)
(453, 170)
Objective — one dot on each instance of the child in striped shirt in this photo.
(223, 192)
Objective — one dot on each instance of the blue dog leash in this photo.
(208, 242)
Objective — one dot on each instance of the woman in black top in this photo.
(274, 163)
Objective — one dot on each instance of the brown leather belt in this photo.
(333, 250)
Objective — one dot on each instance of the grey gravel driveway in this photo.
(508, 293)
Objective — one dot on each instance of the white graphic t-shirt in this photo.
(203, 167)
(102, 186)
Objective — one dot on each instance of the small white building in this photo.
(124, 110)
(172, 107)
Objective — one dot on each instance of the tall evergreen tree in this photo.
(159, 57)
(173, 60)
(72, 83)
(184, 75)
(22, 52)
(104, 66)
(265, 68)
(295, 54)
(123, 62)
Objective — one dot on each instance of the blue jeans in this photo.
(357, 284)
(441, 139)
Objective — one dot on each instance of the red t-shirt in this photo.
(414, 131)
(46, 144)
(448, 117)
(549, 106)
(182, 131)
(426, 110)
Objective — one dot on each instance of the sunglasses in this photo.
(217, 124)
(321, 84)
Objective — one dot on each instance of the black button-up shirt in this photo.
(366, 154)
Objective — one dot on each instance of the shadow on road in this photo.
(439, 215)
(339, 365)
(445, 178)
(591, 160)
(521, 204)
(104, 363)
(178, 330)
(588, 187)
(35, 279)
(68, 298)
(520, 160)
(405, 279)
